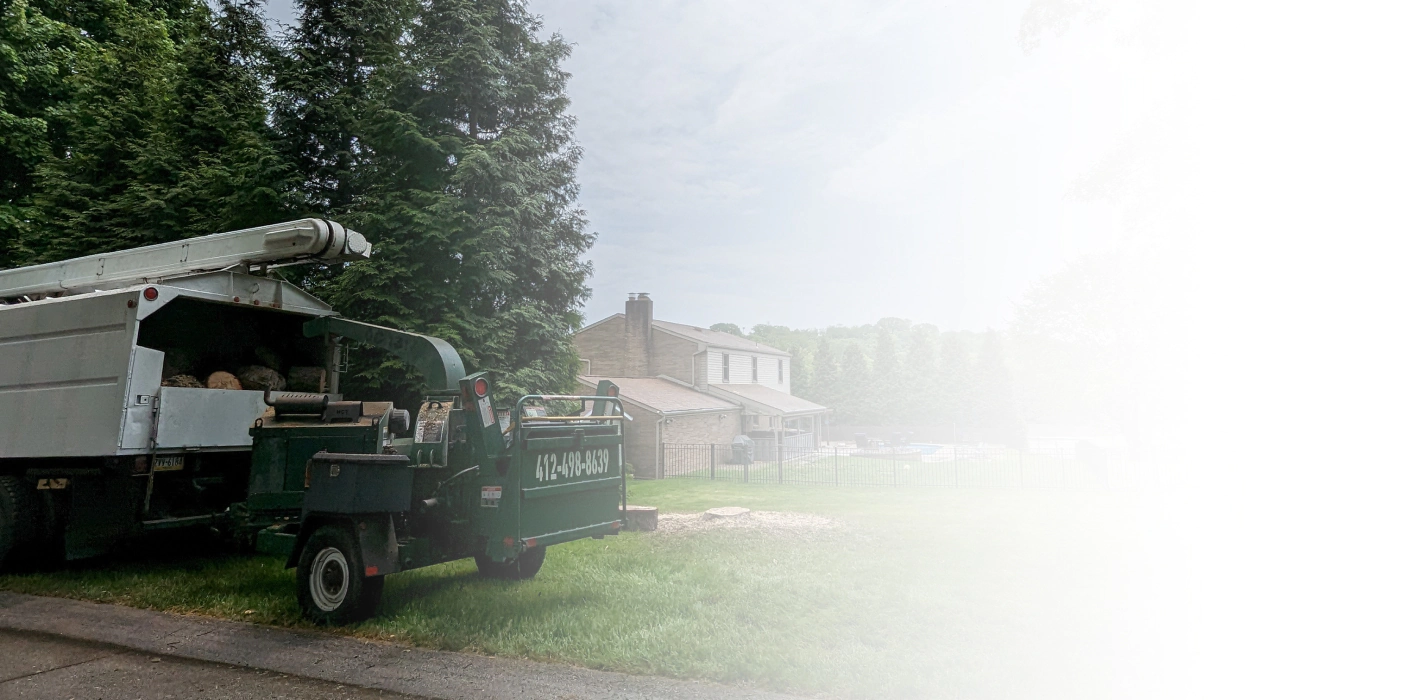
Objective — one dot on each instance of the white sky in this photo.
(833, 162)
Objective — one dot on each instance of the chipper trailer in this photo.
(108, 432)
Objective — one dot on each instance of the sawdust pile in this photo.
(762, 522)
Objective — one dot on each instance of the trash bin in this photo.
(743, 450)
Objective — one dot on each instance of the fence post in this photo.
(835, 466)
(780, 469)
(713, 461)
(745, 471)
(661, 466)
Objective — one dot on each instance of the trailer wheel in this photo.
(520, 568)
(19, 518)
(330, 586)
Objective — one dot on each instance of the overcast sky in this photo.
(834, 162)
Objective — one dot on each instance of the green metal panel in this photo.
(435, 358)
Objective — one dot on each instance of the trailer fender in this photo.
(375, 535)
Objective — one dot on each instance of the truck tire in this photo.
(19, 523)
(330, 586)
(520, 568)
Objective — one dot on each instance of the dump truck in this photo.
(182, 385)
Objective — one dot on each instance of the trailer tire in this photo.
(330, 587)
(19, 523)
(521, 568)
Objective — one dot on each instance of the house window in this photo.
(726, 368)
(780, 371)
(755, 363)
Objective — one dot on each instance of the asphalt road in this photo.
(36, 666)
(59, 648)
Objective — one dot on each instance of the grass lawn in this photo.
(938, 592)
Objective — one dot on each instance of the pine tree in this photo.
(439, 130)
(856, 406)
(36, 56)
(799, 377)
(825, 386)
(164, 132)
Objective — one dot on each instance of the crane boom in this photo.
(304, 240)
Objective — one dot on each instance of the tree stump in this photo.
(641, 518)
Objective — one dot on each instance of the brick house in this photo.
(690, 385)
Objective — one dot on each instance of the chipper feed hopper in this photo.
(182, 386)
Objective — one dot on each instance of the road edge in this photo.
(327, 657)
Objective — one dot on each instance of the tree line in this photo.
(898, 373)
(1070, 357)
(437, 128)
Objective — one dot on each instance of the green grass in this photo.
(971, 593)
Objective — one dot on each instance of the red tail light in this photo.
(481, 387)
(151, 293)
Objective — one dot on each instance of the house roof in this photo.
(777, 402)
(703, 335)
(717, 338)
(663, 396)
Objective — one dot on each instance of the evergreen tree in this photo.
(799, 378)
(856, 406)
(439, 130)
(36, 57)
(825, 386)
(164, 131)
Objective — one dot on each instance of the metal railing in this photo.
(946, 466)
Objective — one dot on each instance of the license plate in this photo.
(168, 464)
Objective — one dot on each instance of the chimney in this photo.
(638, 352)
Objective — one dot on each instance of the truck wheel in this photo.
(522, 567)
(18, 523)
(329, 584)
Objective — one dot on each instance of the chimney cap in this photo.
(632, 296)
(643, 295)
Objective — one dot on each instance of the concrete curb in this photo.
(423, 672)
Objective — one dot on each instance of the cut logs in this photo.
(259, 378)
(223, 380)
(185, 381)
(640, 518)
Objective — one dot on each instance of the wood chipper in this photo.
(109, 431)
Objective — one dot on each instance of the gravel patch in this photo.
(763, 522)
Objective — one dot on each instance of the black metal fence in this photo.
(947, 465)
